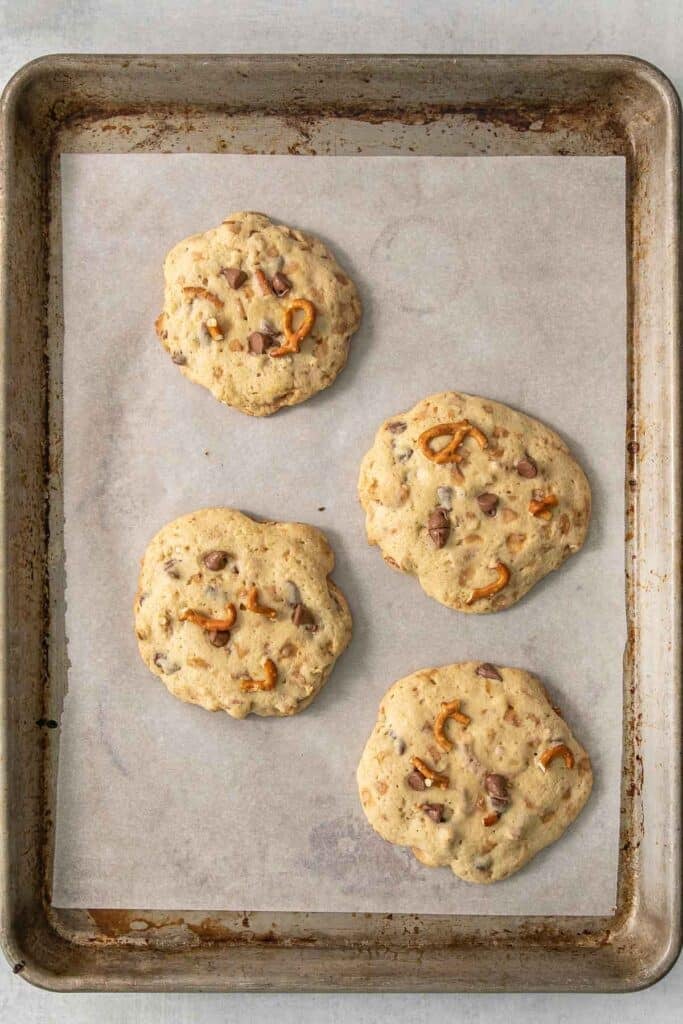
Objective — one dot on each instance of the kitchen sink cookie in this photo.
(259, 313)
(471, 767)
(240, 616)
(475, 499)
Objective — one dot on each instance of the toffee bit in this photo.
(491, 819)
(542, 508)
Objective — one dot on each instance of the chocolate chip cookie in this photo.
(259, 313)
(475, 499)
(471, 767)
(238, 615)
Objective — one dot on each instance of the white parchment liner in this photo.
(498, 276)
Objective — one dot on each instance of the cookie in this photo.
(259, 313)
(477, 500)
(471, 767)
(238, 615)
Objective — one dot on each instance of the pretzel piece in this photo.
(204, 622)
(439, 780)
(293, 338)
(494, 587)
(195, 292)
(457, 432)
(213, 329)
(267, 683)
(541, 507)
(449, 709)
(560, 750)
(253, 605)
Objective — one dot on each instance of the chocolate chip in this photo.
(218, 637)
(397, 427)
(259, 342)
(170, 568)
(439, 527)
(215, 560)
(280, 284)
(444, 496)
(166, 666)
(266, 327)
(292, 593)
(433, 811)
(415, 780)
(488, 503)
(178, 358)
(488, 671)
(18, 967)
(404, 455)
(234, 276)
(633, 447)
(497, 788)
(302, 617)
(527, 467)
(47, 723)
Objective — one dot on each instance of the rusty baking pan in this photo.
(322, 105)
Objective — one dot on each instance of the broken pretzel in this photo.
(204, 622)
(449, 709)
(492, 588)
(560, 750)
(267, 683)
(253, 605)
(195, 292)
(436, 778)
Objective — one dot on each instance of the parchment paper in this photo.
(502, 277)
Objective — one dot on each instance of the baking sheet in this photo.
(499, 276)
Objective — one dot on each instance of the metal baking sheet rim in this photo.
(503, 105)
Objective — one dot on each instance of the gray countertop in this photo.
(653, 31)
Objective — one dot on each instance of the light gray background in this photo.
(650, 30)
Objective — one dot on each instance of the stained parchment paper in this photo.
(501, 277)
